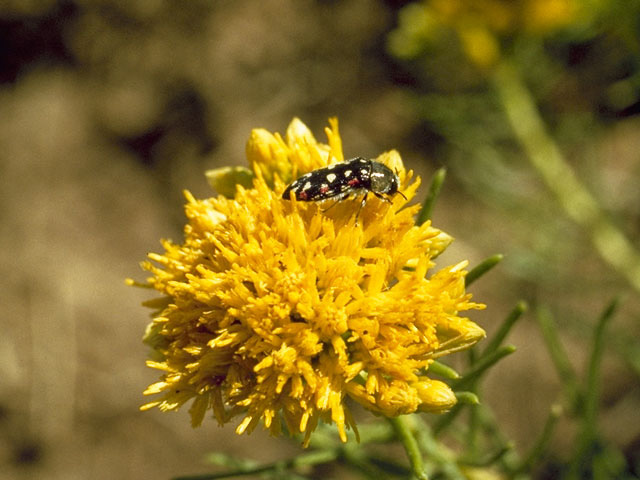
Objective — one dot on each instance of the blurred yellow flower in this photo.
(479, 44)
(543, 16)
(277, 309)
(480, 25)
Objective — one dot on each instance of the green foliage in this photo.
(522, 119)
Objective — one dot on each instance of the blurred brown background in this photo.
(110, 108)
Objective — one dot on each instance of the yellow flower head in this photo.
(277, 309)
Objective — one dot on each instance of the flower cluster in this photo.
(480, 26)
(282, 310)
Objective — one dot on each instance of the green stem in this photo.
(311, 458)
(588, 434)
(592, 396)
(432, 196)
(443, 458)
(559, 357)
(541, 443)
(490, 460)
(447, 419)
(403, 430)
(473, 430)
(492, 430)
(359, 461)
(522, 113)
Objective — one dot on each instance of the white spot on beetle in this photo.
(331, 177)
(307, 186)
(347, 173)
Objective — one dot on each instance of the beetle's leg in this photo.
(381, 197)
(364, 200)
(337, 199)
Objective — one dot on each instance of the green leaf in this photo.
(468, 398)
(505, 328)
(482, 365)
(443, 370)
(482, 268)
